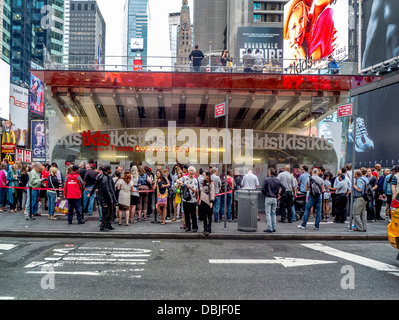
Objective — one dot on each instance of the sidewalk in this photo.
(15, 224)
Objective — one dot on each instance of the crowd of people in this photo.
(192, 195)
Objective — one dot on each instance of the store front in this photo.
(159, 119)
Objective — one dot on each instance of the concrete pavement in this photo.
(15, 224)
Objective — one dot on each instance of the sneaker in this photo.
(316, 228)
(301, 227)
(362, 140)
(268, 230)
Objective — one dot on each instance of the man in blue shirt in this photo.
(303, 178)
(359, 211)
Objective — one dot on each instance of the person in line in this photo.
(341, 190)
(315, 186)
(53, 183)
(250, 181)
(326, 196)
(302, 179)
(379, 196)
(143, 186)
(35, 181)
(134, 195)
(373, 181)
(217, 183)
(124, 187)
(13, 177)
(161, 187)
(116, 177)
(178, 201)
(89, 182)
(286, 201)
(73, 191)
(387, 188)
(3, 183)
(190, 203)
(271, 189)
(359, 209)
(230, 182)
(24, 184)
(206, 203)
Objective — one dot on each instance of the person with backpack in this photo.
(315, 186)
(73, 191)
(190, 196)
(143, 185)
(359, 208)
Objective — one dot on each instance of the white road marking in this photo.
(6, 246)
(7, 298)
(286, 262)
(380, 266)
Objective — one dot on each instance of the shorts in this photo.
(134, 200)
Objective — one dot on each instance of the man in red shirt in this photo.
(73, 191)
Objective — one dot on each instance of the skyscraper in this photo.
(135, 26)
(174, 23)
(184, 41)
(5, 29)
(87, 32)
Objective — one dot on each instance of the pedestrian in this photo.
(217, 183)
(196, 57)
(332, 65)
(225, 60)
(373, 182)
(272, 189)
(315, 186)
(286, 200)
(35, 182)
(45, 173)
(250, 181)
(106, 197)
(89, 182)
(359, 209)
(388, 192)
(3, 184)
(24, 184)
(178, 201)
(134, 195)
(143, 186)
(124, 187)
(248, 61)
(341, 191)
(13, 177)
(151, 195)
(116, 177)
(379, 196)
(73, 191)
(206, 202)
(190, 203)
(161, 187)
(230, 187)
(53, 183)
(326, 196)
(303, 178)
(259, 61)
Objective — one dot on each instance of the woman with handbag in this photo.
(206, 201)
(125, 187)
(52, 183)
(134, 195)
(161, 187)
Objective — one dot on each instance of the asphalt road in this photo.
(189, 270)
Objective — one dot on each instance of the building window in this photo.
(257, 6)
(257, 18)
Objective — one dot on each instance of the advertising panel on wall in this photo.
(4, 89)
(268, 40)
(380, 31)
(314, 30)
(36, 95)
(19, 109)
(38, 140)
(375, 140)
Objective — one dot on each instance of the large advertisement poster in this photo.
(269, 41)
(314, 30)
(38, 142)
(19, 102)
(4, 89)
(375, 140)
(36, 95)
(380, 31)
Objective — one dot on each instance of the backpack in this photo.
(223, 186)
(315, 189)
(368, 193)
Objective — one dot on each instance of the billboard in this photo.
(375, 140)
(4, 89)
(19, 109)
(269, 41)
(137, 44)
(36, 95)
(38, 141)
(313, 30)
(380, 31)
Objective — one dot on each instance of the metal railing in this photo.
(208, 64)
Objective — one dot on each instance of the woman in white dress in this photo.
(125, 187)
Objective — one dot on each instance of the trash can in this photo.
(247, 209)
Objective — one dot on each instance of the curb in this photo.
(190, 236)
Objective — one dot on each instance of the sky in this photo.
(158, 45)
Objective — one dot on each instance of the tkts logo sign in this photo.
(97, 139)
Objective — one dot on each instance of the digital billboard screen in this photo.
(4, 90)
(36, 95)
(313, 30)
(380, 31)
(19, 101)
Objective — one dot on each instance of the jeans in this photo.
(51, 196)
(216, 209)
(74, 204)
(316, 202)
(229, 197)
(270, 208)
(34, 200)
(88, 201)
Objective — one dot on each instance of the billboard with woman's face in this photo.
(313, 30)
(36, 95)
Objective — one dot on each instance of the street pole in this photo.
(353, 163)
(225, 159)
(210, 51)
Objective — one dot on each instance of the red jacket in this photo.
(73, 188)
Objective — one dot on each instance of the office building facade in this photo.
(5, 29)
